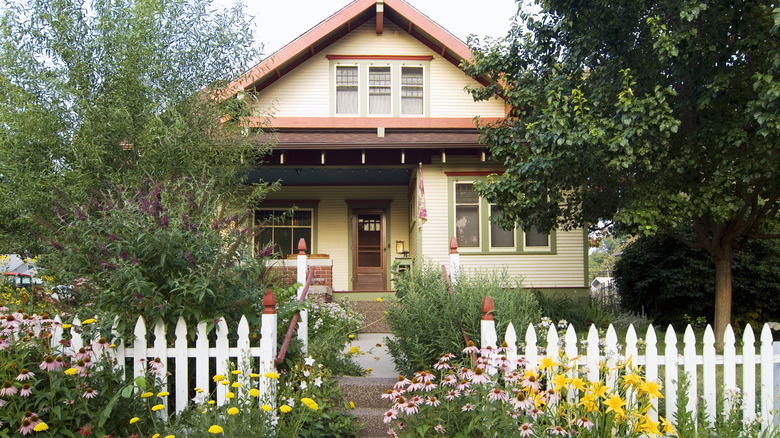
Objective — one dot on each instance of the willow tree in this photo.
(650, 115)
(114, 90)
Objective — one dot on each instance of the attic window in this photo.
(412, 90)
(379, 97)
(347, 90)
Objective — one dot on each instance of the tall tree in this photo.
(646, 114)
(92, 91)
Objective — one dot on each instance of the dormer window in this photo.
(379, 91)
(347, 95)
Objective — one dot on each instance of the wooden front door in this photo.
(369, 242)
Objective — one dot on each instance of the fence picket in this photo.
(182, 366)
(709, 374)
(748, 374)
(631, 358)
(592, 354)
(611, 353)
(511, 341)
(139, 348)
(767, 377)
(56, 334)
(202, 361)
(553, 351)
(76, 342)
(223, 358)
(159, 351)
(531, 350)
(689, 368)
(729, 369)
(670, 358)
(651, 365)
(244, 361)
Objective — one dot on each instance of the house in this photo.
(377, 150)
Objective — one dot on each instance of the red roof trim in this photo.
(306, 42)
(384, 57)
(368, 122)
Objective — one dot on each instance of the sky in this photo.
(278, 22)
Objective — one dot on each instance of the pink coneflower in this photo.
(8, 389)
(82, 353)
(400, 401)
(449, 380)
(68, 402)
(447, 357)
(464, 373)
(440, 429)
(467, 407)
(156, 366)
(479, 377)
(526, 429)
(512, 377)
(410, 409)
(59, 362)
(4, 343)
(504, 364)
(389, 394)
(463, 384)
(550, 396)
(48, 364)
(441, 365)
(417, 399)
(470, 348)
(488, 351)
(432, 401)
(24, 374)
(534, 413)
(390, 415)
(10, 322)
(584, 422)
(558, 430)
(520, 401)
(425, 376)
(26, 390)
(497, 394)
(452, 394)
(415, 385)
(402, 382)
(27, 426)
(428, 386)
(531, 382)
(89, 393)
(81, 366)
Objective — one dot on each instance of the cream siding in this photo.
(565, 268)
(305, 91)
(332, 220)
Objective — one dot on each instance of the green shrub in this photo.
(424, 320)
(330, 325)
(674, 284)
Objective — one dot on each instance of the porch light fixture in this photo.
(399, 247)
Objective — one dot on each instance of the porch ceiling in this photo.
(321, 175)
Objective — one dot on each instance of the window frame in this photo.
(401, 91)
(285, 207)
(336, 90)
(485, 247)
(369, 86)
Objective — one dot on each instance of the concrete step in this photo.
(365, 393)
(374, 312)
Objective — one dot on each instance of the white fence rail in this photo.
(139, 353)
(757, 403)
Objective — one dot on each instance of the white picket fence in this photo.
(671, 362)
(247, 359)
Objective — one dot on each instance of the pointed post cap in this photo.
(453, 245)
(301, 247)
(269, 303)
(487, 308)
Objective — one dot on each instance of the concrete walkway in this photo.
(378, 359)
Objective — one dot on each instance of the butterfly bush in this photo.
(488, 393)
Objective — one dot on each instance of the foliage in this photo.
(163, 250)
(673, 284)
(330, 327)
(70, 391)
(499, 396)
(581, 314)
(651, 114)
(425, 319)
(602, 258)
(94, 91)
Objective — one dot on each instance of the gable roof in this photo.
(352, 16)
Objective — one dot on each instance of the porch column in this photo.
(303, 325)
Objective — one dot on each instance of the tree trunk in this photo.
(723, 263)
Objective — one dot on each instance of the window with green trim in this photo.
(283, 228)
(476, 233)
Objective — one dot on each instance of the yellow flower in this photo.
(235, 372)
(351, 336)
(163, 394)
(311, 404)
(271, 375)
(615, 403)
(285, 408)
(368, 370)
(254, 375)
(547, 363)
(589, 402)
(351, 405)
(66, 326)
(112, 346)
(236, 385)
(134, 420)
(267, 408)
(224, 383)
(578, 383)
(157, 435)
(631, 379)
(599, 389)
(354, 350)
(158, 407)
(254, 392)
(218, 378)
(230, 396)
(379, 300)
(561, 381)
(233, 411)
(651, 388)
(215, 429)
(147, 394)
(666, 427)
(40, 427)
(71, 371)
(211, 402)
(88, 321)
(649, 426)
(170, 436)
(198, 390)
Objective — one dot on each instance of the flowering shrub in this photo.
(57, 389)
(499, 396)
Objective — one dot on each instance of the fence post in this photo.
(776, 392)
(267, 347)
(454, 262)
(488, 324)
(303, 324)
